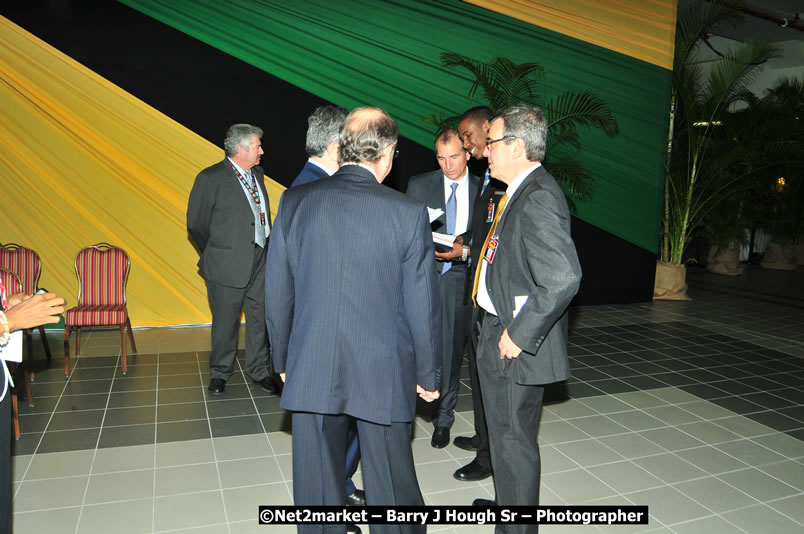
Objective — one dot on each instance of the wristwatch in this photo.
(465, 253)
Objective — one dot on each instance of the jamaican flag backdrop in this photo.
(84, 161)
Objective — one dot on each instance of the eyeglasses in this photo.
(490, 142)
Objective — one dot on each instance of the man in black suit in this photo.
(228, 218)
(527, 276)
(473, 127)
(354, 327)
(323, 126)
(453, 190)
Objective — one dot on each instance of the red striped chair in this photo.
(13, 286)
(27, 265)
(102, 272)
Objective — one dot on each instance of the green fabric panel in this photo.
(358, 52)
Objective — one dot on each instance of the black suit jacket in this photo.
(535, 269)
(221, 223)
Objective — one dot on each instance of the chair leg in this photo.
(29, 343)
(131, 336)
(77, 341)
(28, 392)
(44, 342)
(67, 350)
(15, 414)
(123, 348)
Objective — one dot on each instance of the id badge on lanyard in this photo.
(490, 211)
(491, 249)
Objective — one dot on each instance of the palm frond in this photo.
(570, 110)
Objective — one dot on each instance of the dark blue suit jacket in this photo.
(309, 173)
(352, 307)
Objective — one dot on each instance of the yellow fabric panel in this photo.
(83, 162)
(644, 29)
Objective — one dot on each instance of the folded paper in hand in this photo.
(434, 213)
(443, 242)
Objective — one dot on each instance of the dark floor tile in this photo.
(55, 373)
(180, 395)
(69, 440)
(76, 420)
(27, 443)
(676, 352)
(705, 391)
(233, 408)
(35, 423)
(772, 401)
(236, 426)
(765, 383)
(181, 381)
(783, 366)
(47, 389)
(718, 337)
(647, 343)
(182, 431)
(643, 383)
(755, 369)
(674, 379)
(703, 376)
(589, 373)
(794, 412)
(138, 383)
(73, 403)
(735, 387)
(626, 358)
(788, 379)
(798, 434)
(132, 398)
(181, 412)
(738, 405)
(604, 338)
(43, 405)
(91, 373)
(140, 415)
(125, 436)
(84, 387)
(141, 359)
(729, 371)
(626, 346)
(179, 368)
(176, 357)
(268, 404)
(647, 368)
(137, 371)
(574, 350)
(776, 421)
(745, 345)
(675, 364)
(612, 386)
(617, 371)
(233, 391)
(276, 422)
(96, 361)
(593, 361)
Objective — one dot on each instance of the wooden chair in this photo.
(13, 286)
(27, 265)
(102, 272)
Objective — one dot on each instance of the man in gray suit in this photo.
(528, 274)
(453, 190)
(228, 218)
(355, 326)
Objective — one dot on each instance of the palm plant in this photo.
(704, 160)
(503, 83)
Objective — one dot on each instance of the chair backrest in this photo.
(23, 262)
(10, 281)
(102, 272)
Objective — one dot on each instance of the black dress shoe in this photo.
(351, 528)
(465, 443)
(358, 498)
(216, 386)
(484, 502)
(268, 385)
(474, 470)
(440, 437)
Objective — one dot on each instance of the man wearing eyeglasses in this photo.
(452, 189)
(355, 326)
(527, 276)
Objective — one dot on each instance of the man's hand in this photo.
(13, 300)
(34, 311)
(428, 396)
(508, 349)
(456, 252)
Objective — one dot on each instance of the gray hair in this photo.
(528, 124)
(447, 136)
(365, 133)
(323, 127)
(239, 135)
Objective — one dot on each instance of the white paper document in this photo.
(518, 303)
(13, 351)
(434, 213)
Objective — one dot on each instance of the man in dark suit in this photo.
(228, 218)
(473, 127)
(323, 126)
(453, 190)
(355, 326)
(526, 278)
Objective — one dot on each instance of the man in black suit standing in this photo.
(355, 337)
(323, 126)
(527, 276)
(229, 219)
(453, 190)
(473, 128)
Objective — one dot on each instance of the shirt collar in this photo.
(519, 179)
(314, 162)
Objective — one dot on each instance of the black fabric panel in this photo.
(207, 90)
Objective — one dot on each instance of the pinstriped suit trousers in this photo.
(389, 475)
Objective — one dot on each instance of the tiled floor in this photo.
(693, 408)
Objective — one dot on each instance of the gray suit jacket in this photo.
(429, 188)
(536, 263)
(352, 307)
(221, 223)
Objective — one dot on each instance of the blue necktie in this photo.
(452, 214)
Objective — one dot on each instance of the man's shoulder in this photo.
(425, 177)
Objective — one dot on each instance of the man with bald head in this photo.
(354, 327)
